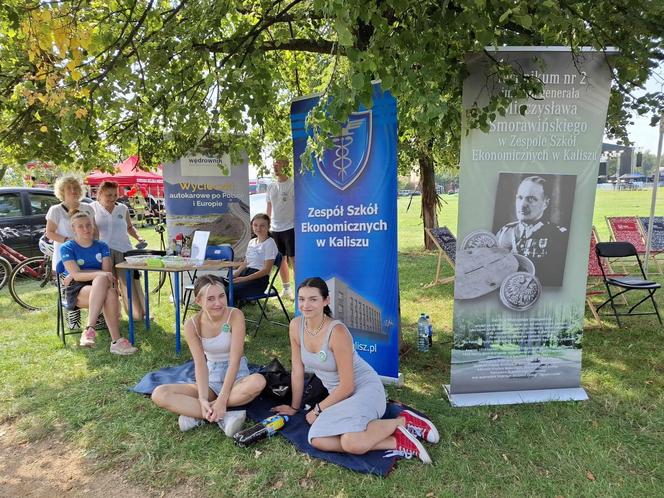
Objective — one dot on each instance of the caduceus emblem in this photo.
(343, 164)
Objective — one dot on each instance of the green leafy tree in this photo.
(85, 82)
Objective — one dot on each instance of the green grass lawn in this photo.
(611, 445)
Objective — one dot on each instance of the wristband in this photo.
(296, 409)
(317, 410)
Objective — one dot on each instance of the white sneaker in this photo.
(123, 347)
(187, 423)
(287, 293)
(232, 422)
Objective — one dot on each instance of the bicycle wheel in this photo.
(5, 270)
(32, 284)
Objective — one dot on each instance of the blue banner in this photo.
(346, 225)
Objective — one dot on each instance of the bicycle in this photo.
(32, 281)
(5, 270)
(8, 256)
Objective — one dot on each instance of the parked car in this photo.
(259, 186)
(23, 217)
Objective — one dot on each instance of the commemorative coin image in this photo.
(525, 264)
(479, 238)
(481, 270)
(520, 291)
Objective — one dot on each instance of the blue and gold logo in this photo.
(345, 162)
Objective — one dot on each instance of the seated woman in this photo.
(253, 275)
(215, 337)
(349, 419)
(89, 283)
(114, 225)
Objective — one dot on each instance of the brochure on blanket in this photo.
(210, 194)
(346, 225)
(527, 191)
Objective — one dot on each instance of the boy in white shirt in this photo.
(281, 210)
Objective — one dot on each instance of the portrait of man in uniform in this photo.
(539, 210)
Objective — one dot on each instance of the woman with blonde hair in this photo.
(215, 337)
(58, 227)
(115, 227)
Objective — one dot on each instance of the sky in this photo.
(644, 136)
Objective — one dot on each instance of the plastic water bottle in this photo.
(423, 334)
(430, 331)
(264, 429)
(179, 238)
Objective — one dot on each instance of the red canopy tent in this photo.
(128, 174)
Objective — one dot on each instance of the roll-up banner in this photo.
(346, 225)
(208, 193)
(527, 192)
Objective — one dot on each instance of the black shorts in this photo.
(72, 291)
(285, 242)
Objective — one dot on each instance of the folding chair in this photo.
(72, 314)
(627, 284)
(445, 241)
(222, 252)
(270, 292)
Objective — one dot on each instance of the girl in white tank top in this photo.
(215, 337)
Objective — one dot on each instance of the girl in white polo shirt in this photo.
(115, 227)
(252, 277)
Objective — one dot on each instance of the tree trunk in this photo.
(429, 196)
(3, 170)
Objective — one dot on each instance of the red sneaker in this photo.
(420, 426)
(408, 445)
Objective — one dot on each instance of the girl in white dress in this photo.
(349, 419)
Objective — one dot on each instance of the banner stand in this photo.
(346, 225)
(515, 397)
(398, 381)
(526, 199)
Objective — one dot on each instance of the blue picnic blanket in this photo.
(295, 431)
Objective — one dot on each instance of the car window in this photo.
(10, 205)
(41, 202)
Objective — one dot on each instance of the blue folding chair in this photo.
(261, 299)
(72, 314)
(222, 252)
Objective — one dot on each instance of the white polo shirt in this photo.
(59, 215)
(113, 226)
(259, 252)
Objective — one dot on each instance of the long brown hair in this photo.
(318, 283)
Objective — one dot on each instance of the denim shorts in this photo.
(72, 291)
(217, 372)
